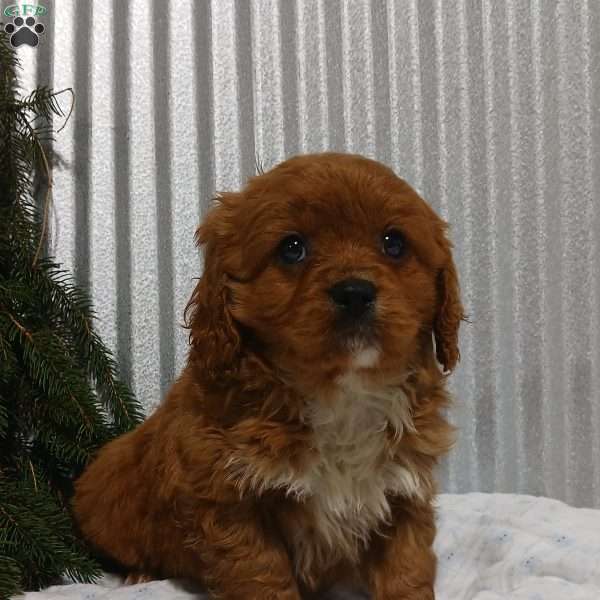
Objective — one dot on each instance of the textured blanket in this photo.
(489, 546)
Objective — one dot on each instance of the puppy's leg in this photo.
(135, 578)
(402, 564)
(242, 559)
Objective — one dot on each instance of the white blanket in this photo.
(489, 546)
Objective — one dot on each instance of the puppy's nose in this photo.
(353, 297)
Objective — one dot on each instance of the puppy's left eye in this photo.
(292, 249)
(394, 243)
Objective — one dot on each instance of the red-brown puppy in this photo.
(298, 446)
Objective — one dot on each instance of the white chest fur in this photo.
(346, 488)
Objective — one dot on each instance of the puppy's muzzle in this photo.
(353, 298)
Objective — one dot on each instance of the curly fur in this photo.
(289, 455)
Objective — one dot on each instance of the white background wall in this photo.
(490, 109)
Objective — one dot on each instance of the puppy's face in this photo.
(332, 264)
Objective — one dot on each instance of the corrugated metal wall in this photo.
(491, 109)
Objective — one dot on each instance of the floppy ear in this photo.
(214, 336)
(449, 315)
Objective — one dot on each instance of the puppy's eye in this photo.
(394, 243)
(292, 249)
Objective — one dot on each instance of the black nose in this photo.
(354, 297)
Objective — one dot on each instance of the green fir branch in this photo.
(73, 304)
(48, 364)
(60, 395)
(43, 102)
(11, 578)
(39, 534)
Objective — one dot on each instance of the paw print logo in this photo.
(24, 31)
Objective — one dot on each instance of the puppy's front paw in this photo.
(403, 592)
(134, 578)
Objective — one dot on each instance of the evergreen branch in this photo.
(28, 137)
(42, 104)
(39, 536)
(67, 118)
(68, 449)
(18, 528)
(60, 398)
(19, 326)
(3, 416)
(5, 352)
(42, 101)
(10, 576)
(48, 365)
(10, 63)
(33, 477)
(74, 306)
(49, 185)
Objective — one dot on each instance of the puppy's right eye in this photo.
(292, 249)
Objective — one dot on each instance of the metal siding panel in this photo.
(406, 136)
(576, 213)
(332, 32)
(82, 165)
(191, 153)
(227, 135)
(145, 285)
(63, 192)
(593, 102)
(526, 306)
(122, 186)
(357, 77)
(268, 91)
(552, 262)
(489, 109)
(478, 266)
(288, 55)
(163, 101)
(103, 207)
(313, 101)
(496, 30)
(450, 203)
(539, 175)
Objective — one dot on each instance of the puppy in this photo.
(297, 448)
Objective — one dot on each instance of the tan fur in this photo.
(287, 457)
